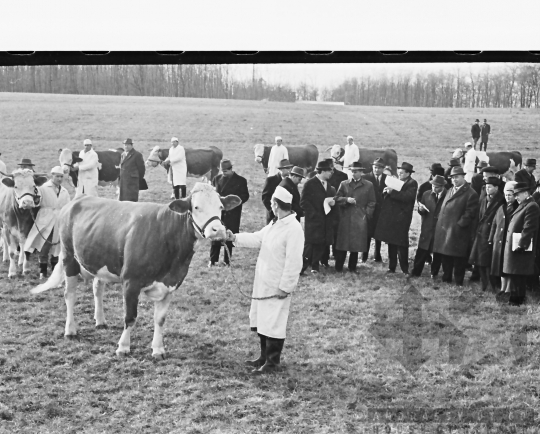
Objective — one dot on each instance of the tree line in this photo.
(516, 85)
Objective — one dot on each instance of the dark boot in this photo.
(54, 261)
(257, 363)
(273, 356)
(42, 271)
(364, 256)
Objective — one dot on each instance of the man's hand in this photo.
(76, 166)
(351, 200)
(331, 202)
(388, 190)
(282, 294)
(519, 250)
(230, 236)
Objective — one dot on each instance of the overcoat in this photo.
(524, 221)
(396, 215)
(236, 185)
(378, 187)
(88, 173)
(335, 181)
(456, 222)
(477, 182)
(131, 171)
(475, 131)
(269, 187)
(485, 130)
(481, 252)
(523, 176)
(178, 169)
(497, 237)
(318, 225)
(353, 235)
(278, 267)
(292, 188)
(429, 219)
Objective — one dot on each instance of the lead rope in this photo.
(39, 232)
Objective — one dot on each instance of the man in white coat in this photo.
(351, 155)
(88, 171)
(178, 168)
(44, 236)
(277, 153)
(3, 168)
(278, 268)
(470, 162)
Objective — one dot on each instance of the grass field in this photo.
(335, 367)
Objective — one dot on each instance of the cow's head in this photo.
(458, 153)
(67, 160)
(259, 152)
(205, 206)
(336, 152)
(153, 159)
(24, 183)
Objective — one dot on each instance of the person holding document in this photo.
(521, 239)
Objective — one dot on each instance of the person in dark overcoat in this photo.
(455, 227)
(429, 207)
(477, 181)
(526, 174)
(356, 198)
(318, 228)
(454, 162)
(291, 185)
(519, 262)
(481, 250)
(132, 171)
(395, 219)
(377, 178)
(475, 132)
(485, 131)
(228, 182)
(497, 240)
(270, 186)
(435, 169)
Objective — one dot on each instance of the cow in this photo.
(305, 156)
(147, 247)
(367, 157)
(19, 203)
(504, 161)
(109, 162)
(200, 162)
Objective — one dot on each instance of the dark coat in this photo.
(481, 249)
(477, 182)
(475, 131)
(292, 188)
(523, 176)
(353, 228)
(318, 225)
(131, 173)
(426, 186)
(379, 187)
(456, 222)
(396, 215)
(524, 221)
(270, 186)
(497, 237)
(335, 181)
(236, 185)
(485, 130)
(429, 219)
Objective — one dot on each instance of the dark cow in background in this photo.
(305, 156)
(367, 157)
(19, 204)
(146, 246)
(503, 160)
(200, 162)
(109, 160)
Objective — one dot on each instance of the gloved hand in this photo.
(519, 250)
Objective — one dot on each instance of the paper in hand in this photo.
(516, 236)
(393, 183)
(327, 207)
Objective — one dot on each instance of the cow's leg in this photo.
(12, 247)
(99, 316)
(5, 255)
(131, 301)
(25, 262)
(21, 253)
(160, 311)
(70, 295)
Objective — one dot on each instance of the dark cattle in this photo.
(108, 174)
(305, 156)
(147, 247)
(367, 157)
(19, 203)
(199, 162)
(501, 160)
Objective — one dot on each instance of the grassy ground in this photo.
(341, 357)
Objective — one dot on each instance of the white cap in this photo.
(87, 142)
(509, 186)
(174, 139)
(282, 194)
(58, 170)
(278, 138)
(468, 145)
(349, 137)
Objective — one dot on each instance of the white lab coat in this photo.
(46, 219)
(88, 173)
(178, 169)
(2, 169)
(278, 267)
(277, 153)
(351, 155)
(469, 165)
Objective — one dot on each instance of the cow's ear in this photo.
(8, 182)
(180, 206)
(59, 151)
(231, 201)
(40, 180)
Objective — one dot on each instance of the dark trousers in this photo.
(487, 278)
(340, 259)
(484, 142)
(215, 250)
(453, 265)
(475, 141)
(44, 253)
(394, 252)
(326, 254)
(518, 284)
(312, 255)
(377, 254)
(420, 259)
(177, 189)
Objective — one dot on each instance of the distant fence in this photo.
(321, 102)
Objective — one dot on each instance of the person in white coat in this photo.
(88, 171)
(277, 153)
(281, 245)
(3, 168)
(469, 166)
(351, 155)
(178, 168)
(44, 235)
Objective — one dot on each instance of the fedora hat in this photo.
(477, 120)
(482, 164)
(530, 162)
(493, 180)
(298, 171)
(356, 166)
(454, 162)
(407, 166)
(521, 186)
(438, 180)
(490, 169)
(379, 162)
(435, 166)
(457, 171)
(323, 166)
(128, 142)
(226, 164)
(26, 162)
(285, 164)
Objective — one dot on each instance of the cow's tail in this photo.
(56, 279)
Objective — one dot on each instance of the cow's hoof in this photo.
(26, 272)
(12, 276)
(102, 326)
(158, 356)
(71, 337)
(122, 353)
